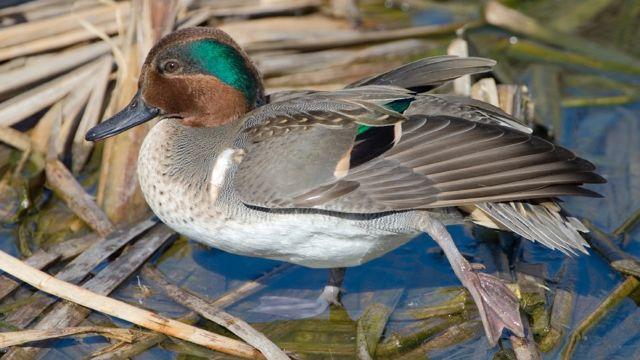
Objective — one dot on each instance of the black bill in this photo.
(132, 115)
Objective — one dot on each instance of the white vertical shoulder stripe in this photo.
(219, 171)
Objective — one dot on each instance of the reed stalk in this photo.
(122, 310)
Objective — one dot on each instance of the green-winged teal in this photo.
(332, 179)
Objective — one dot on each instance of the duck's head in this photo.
(199, 76)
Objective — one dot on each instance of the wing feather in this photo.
(306, 150)
(465, 108)
(429, 73)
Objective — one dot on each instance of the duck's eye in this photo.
(170, 66)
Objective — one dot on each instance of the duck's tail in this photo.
(542, 221)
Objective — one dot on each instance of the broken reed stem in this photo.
(355, 39)
(525, 347)
(72, 106)
(65, 185)
(251, 287)
(628, 224)
(52, 65)
(236, 325)
(599, 101)
(461, 85)
(30, 102)
(15, 138)
(38, 260)
(560, 319)
(34, 30)
(535, 52)
(615, 297)
(369, 329)
(395, 345)
(604, 245)
(143, 343)
(124, 311)
(455, 305)
(456, 334)
(77, 270)
(81, 149)
(26, 336)
(65, 314)
(118, 192)
(501, 16)
(225, 300)
(43, 258)
(56, 41)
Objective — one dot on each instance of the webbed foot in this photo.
(498, 306)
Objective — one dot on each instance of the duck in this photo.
(333, 179)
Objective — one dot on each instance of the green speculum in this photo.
(397, 105)
(362, 128)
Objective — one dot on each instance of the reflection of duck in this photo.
(334, 179)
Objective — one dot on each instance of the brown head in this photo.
(198, 75)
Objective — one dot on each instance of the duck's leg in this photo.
(296, 308)
(497, 305)
(331, 291)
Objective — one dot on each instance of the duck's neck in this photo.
(183, 155)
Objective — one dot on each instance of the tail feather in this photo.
(544, 222)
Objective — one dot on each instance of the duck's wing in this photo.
(464, 108)
(303, 144)
(419, 76)
(428, 73)
(369, 150)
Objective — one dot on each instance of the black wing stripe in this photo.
(523, 185)
(545, 192)
(513, 175)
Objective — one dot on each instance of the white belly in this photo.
(309, 240)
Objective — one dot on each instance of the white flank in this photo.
(219, 172)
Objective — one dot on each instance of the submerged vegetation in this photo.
(74, 209)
